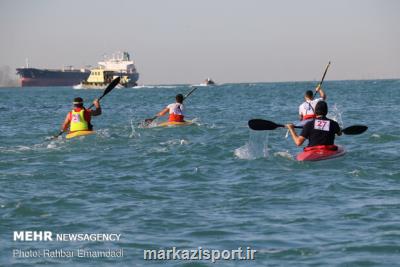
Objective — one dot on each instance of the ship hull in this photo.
(43, 82)
(44, 77)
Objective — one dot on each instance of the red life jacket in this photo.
(308, 116)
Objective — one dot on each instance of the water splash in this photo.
(55, 144)
(52, 145)
(78, 86)
(133, 134)
(335, 114)
(196, 121)
(174, 142)
(184, 142)
(256, 147)
(284, 154)
(101, 133)
(144, 125)
(355, 172)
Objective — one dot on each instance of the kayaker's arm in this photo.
(163, 112)
(300, 113)
(321, 92)
(97, 111)
(65, 125)
(160, 114)
(298, 140)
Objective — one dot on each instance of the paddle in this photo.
(109, 88)
(354, 129)
(264, 125)
(105, 92)
(150, 120)
(323, 77)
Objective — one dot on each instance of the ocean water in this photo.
(215, 184)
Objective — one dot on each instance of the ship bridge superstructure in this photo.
(118, 62)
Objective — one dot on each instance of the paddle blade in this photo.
(56, 136)
(148, 121)
(263, 125)
(111, 86)
(355, 129)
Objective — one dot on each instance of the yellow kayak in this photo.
(174, 123)
(79, 133)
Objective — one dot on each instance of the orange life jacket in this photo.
(176, 117)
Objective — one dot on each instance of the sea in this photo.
(212, 188)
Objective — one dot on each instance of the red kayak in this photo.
(321, 153)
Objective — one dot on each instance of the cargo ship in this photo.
(119, 63)
(50, 77)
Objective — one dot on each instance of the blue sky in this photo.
(185, 41)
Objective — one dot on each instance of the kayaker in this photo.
(79, 118)
(175, 110)
(320, 131)
(307, 108)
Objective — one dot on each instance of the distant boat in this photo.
(119, 63)
(207, 82)
(100, 78)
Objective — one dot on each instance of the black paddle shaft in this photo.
(326, 70)
(188, 94)
(323, 76)
(108, 89)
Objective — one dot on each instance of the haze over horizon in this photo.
(180, 41)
